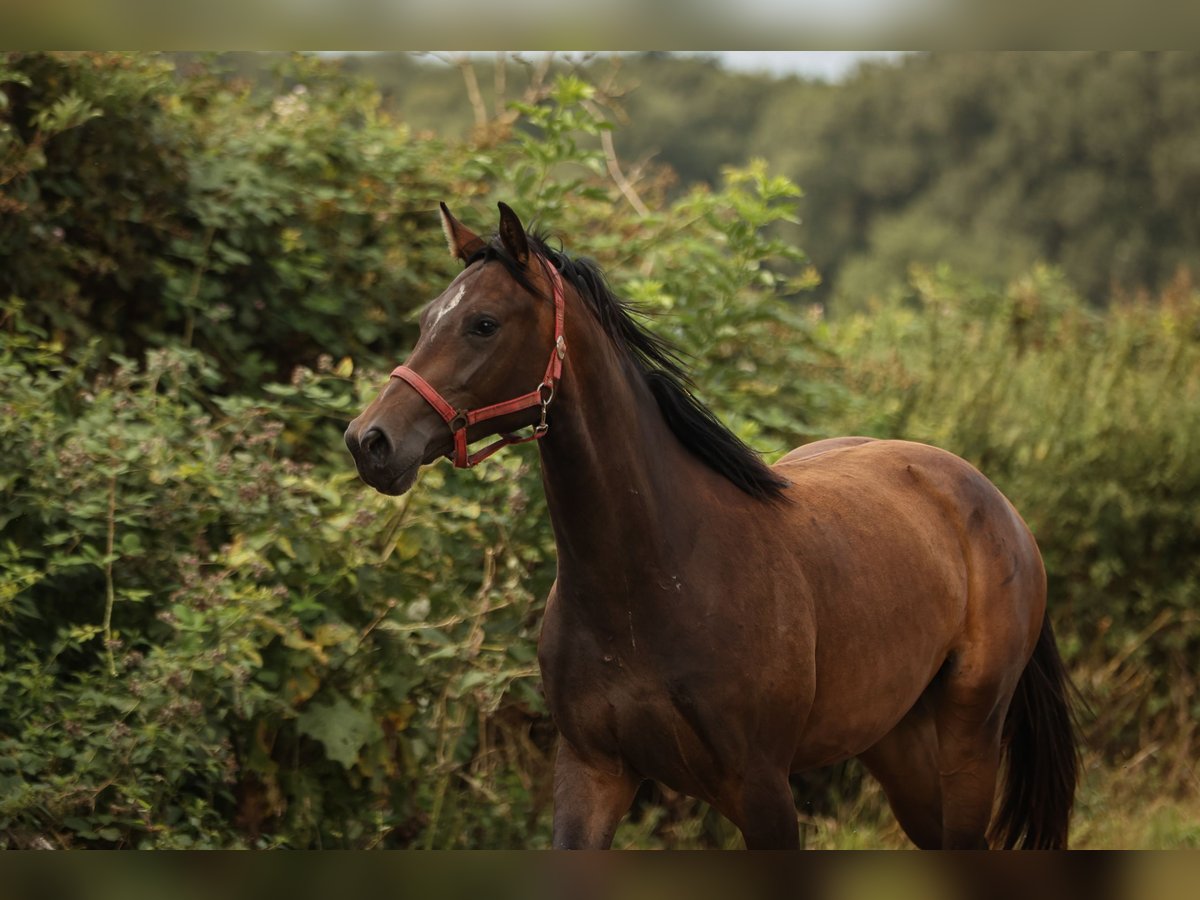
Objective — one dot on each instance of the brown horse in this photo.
(718, 624)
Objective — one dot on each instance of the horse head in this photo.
(479, 367)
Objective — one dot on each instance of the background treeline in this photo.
(211, 634)
(992, 162)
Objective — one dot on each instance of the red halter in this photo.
(460, 420)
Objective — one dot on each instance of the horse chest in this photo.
(633, 714)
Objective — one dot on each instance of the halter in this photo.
(460, 420)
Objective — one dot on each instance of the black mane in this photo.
(661, 365)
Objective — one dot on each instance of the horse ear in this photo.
(512, 234)
(463, 242)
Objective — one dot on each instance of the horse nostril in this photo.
(375, 443)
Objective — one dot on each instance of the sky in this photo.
(828, 64)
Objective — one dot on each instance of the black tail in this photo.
(1042, 755)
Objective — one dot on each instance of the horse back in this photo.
(914, 505)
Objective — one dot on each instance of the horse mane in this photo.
(661, 365)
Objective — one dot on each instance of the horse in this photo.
(718, 624)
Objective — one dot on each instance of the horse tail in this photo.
(1041, 757)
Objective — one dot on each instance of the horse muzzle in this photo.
(383, 461)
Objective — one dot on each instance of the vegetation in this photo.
(215, 636)
(993, 162)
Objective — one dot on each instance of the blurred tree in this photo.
(992, 162)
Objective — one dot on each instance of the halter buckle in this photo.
(545, 395)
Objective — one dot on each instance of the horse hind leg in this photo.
(969, 718)
(939, 765)
(905, 763)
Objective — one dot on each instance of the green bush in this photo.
(262, 228)
(210, 642)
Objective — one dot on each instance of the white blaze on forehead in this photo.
(447, 306)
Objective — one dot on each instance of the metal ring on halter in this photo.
(458, 423)
(542, 427)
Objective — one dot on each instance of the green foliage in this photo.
(991, 162)
(693, 115)
(262, 227)
(202, 632)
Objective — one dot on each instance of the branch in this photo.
(500, 82)
(473, 94)
(614, 165)
(109, 592)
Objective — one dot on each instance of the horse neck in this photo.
(624, 494)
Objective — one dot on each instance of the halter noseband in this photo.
(460, 420)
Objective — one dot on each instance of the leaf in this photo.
(296, 640)
(331, 633)
(68, 111)
(301, 686)
(341, 727)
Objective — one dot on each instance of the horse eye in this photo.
(485, 327)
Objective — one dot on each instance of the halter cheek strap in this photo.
(460, 420)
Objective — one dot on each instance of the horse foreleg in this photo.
(767, 818)
(588, 801)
